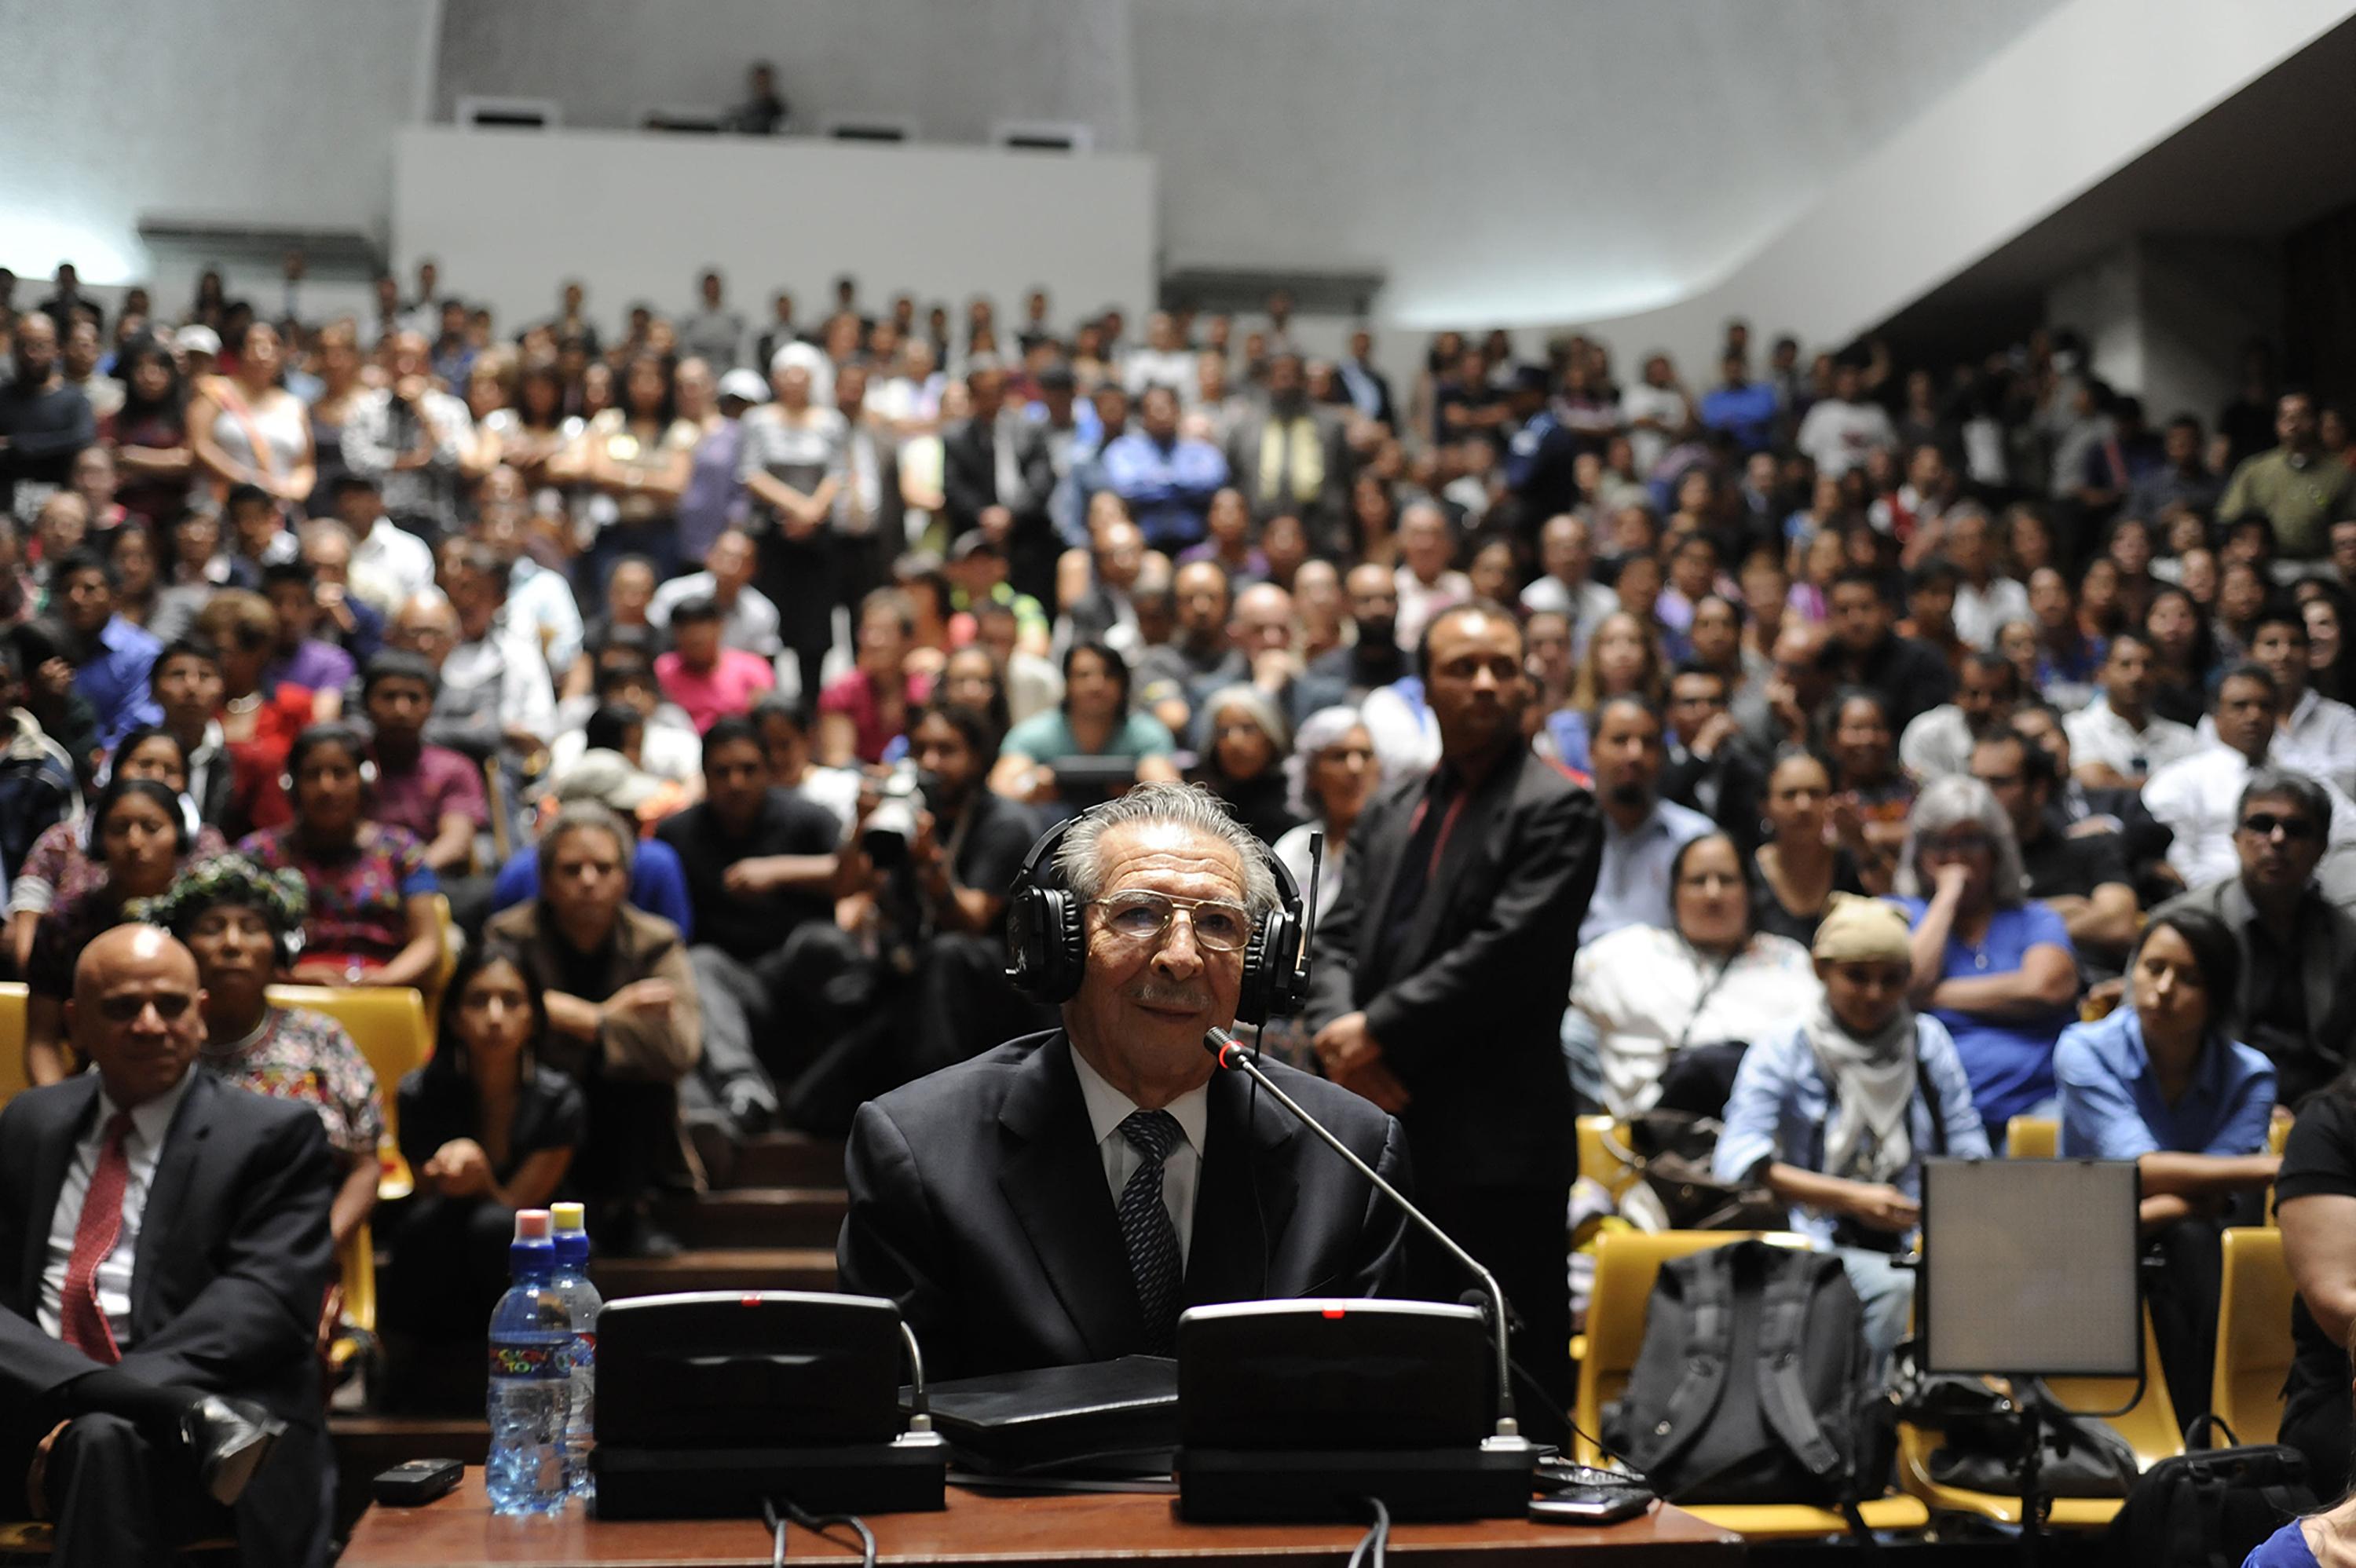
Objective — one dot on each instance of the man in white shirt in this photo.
(1841, 429)
(1566, 555)
(389, 565)
(1641, 832)
(1427, 584)
(2117, 740)
(1938, 743)
(1164, 361)
(2200, 796)
(1655, 411)
(1984, 600)
(2315, 735)
(750, 620)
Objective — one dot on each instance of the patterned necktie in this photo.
(1146, 1230)
(81, 1322)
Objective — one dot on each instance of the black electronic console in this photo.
(1303, 1410)
(712, 1404)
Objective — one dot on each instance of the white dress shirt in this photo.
(1641, 993)
(142, 1148)
(1937, 743)
(1980, 613)
(2318, 739)
(1181, 1168)
(389, 565)
(2097, 734)
(2200, 797)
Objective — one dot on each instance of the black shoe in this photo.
(229, 1439)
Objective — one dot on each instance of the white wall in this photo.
(2167, 316)
(259, 111)
(2006, 147)
(640, 216)
(953, 66)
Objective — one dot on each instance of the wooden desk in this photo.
(460, 1531)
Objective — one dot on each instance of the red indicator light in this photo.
(748, 1301)
(1334, 1312)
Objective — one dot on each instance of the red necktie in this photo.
(81, 1323)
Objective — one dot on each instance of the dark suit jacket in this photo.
(1469, 1010)
(234, 1266)
(969, 470)
(979, 1203)
(2326, 940)
(1322, 518)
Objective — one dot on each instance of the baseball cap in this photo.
(744, 385)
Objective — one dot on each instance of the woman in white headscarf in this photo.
(1835, 1113)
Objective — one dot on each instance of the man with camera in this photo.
(935, 855)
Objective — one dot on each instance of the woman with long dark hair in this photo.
(140, 830)
(2183, 653)
(488, 1130)
(2160, 1081)
(371, 920)
(149, 433)
(635, 461)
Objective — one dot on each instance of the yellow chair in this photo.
(453, 941)
(1603, 1154)
(1626, 1263)
(12, 1077)
(2032, 1137)
(2150, 1429)
(2254, 1345)
(388, 1025)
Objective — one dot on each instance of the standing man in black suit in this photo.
(1062, 1198)
(164, 1259)
(981, 467)
(1441, 972)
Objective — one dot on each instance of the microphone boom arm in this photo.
(1234, 1057)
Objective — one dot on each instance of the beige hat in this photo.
(606, 777)
(1863, 931)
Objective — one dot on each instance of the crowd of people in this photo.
(708, 678)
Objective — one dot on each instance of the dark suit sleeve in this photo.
(1381, 1268)
(1526, 936)
(967, 484)
(890, 1235)
(264, 1303)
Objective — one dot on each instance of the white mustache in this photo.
(1155, 996)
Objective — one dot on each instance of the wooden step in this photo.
(760, 1217)
(788, 1159)
(720, 1268)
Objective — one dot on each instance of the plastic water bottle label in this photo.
(552, 1361)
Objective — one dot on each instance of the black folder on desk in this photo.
(1100, 1419)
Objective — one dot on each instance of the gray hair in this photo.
(2283, 784)
(1080, 859)
(1257, 706)
(576, 814)
(1954, 802)
(1326, 727)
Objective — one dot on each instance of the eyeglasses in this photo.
(2265, 825)
(1139, 915)
(123, 1010)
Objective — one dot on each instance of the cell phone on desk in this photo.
(1582, 1505)
(417, 1482)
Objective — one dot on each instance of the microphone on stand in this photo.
(1232, 1056)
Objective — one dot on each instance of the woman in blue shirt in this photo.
(2160, 1081)
(1835, 1113)
(1095, 720)
(1992, 965)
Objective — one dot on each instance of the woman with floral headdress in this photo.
(244, 924)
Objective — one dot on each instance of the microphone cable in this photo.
(777, 1512)
(1369, 1550)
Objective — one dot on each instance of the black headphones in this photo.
(1046, 936)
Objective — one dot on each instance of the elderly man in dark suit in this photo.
(1442, 969)
(167, 1257)
(1062, 1198)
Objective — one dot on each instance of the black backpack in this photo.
(1750, 1385)
(2210, 1508)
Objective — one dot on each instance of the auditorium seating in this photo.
(1626, 1263)
(2254, 1343)
(389, 1023)
(2032, 1137)
(12, 1040)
